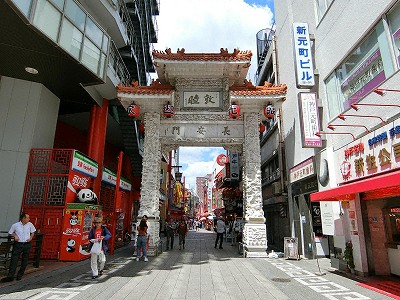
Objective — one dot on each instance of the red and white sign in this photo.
(222, 159)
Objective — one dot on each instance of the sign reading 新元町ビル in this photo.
(303, 55)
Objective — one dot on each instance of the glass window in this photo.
(392, 222)
(71, 39)
(59, 3)
(24, 6)
(76, 14)
(394, 24)
(368, 65)
(322, 7)
(335, 103)
(105, 43)
(102, 65)
(93, 32)
(47, 18)
(91, 55)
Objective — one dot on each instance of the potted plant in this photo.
(348, 256)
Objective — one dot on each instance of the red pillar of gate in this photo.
(97, 139)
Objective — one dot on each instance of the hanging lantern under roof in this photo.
(133, 110)
(269, 111)
(168, 110)
(234, 111)
(262, 127)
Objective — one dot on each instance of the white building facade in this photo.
(341, 171)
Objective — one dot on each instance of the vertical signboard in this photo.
(303, 55)
(234, 166)
(309, 120)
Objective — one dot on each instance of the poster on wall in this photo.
(83, 170)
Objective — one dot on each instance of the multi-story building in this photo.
(60, 63)
(274, 190)
(341, 137)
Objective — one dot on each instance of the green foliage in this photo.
(348, 255)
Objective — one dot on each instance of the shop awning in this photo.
(348, 191)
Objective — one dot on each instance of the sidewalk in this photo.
(198, 272)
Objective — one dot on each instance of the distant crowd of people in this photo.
(23, 231)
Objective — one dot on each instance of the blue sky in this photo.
(269, 3)
(202, 26)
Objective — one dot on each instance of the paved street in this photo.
(198, 272)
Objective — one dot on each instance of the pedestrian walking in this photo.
(142, 240)
(170, 228)
(182, 231)
(22, 232)
(98, 236)
(220, 228)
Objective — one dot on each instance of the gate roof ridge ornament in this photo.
(247, 88)
(223, 55)
(155, 88)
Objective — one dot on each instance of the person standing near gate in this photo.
(22, 232)
(182, 231)
(220, 232)
(170, 228)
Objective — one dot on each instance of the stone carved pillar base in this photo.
(255, 240)
(154, 238)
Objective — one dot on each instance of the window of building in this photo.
(71, 39)
(394, 25)
(24, 6)
(47, 18)
(367, 66)
(392, 224)
(76, 14)
(322, 7)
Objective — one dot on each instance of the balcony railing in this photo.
(117, 65)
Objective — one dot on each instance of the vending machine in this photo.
(78, 220)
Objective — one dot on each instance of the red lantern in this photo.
(141, 127)
(133, 110)
(269, 111)
(262, 127)
(234, 111)
(168, 110)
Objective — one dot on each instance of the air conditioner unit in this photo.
(276, 188)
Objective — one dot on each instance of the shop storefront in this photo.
(369, 196)
(307, 215)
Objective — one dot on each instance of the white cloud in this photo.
(197, 162)
(202, 26)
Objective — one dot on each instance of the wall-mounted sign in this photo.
(309, 120)
(201, 100)
(111, 178)
(234, 166)
(374, 153)
(302, 170)
(84, 164)
(222, 159)
(303, 55)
